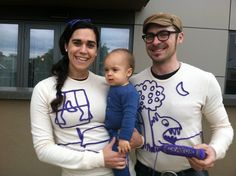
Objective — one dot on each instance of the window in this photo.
(27, 51)
(40, 55)
(111, 38)
(230, 87)
(8, 54)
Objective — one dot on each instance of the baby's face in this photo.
(117, 70)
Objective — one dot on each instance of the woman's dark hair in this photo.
(60, 69)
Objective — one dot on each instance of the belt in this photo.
(143, 170)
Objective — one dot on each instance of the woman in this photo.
(68, 109)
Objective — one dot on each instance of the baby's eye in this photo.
(115, 69)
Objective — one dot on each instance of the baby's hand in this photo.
(124, 146)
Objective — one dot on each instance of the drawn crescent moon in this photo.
(180, 89)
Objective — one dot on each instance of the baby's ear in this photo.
(129, 72)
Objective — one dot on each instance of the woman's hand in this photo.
(113, 159)
(136, 140)
(208, 162)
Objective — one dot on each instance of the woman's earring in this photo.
(66, 49)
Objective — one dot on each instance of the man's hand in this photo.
(208, 162)
(113, 159)
(136, 140)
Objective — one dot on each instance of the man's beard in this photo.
(167, 58)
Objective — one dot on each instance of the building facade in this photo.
(29, 33)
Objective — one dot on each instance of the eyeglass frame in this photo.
(144, 36)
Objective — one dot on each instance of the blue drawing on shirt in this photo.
(152, 97)
(180, 89)
(172, 128)
(76, 107)
(155, 95)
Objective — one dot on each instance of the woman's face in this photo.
(82, 51)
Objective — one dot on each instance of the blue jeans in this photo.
(120, 172)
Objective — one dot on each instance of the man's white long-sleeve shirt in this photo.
(171, 112)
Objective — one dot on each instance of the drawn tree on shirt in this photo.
(152, 97)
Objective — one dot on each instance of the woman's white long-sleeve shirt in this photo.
(72, 138)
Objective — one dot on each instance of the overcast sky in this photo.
(40, 41)
(115, 38)
(8, 38)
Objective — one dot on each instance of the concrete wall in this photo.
(17, 156)
(225, 166)
(233, 15)
(206, 24)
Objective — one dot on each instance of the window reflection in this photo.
(111, 38)
(41, 55)
(8, 54)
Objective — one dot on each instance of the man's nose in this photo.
(155, 40)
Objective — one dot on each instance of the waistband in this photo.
(147, 171)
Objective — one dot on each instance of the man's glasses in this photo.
(162, 36)
(75, 21)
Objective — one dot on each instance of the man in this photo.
(174, 97)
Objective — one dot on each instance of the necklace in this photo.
(80, 79)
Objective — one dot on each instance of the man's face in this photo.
(164, 42)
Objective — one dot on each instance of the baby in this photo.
(122, 101)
